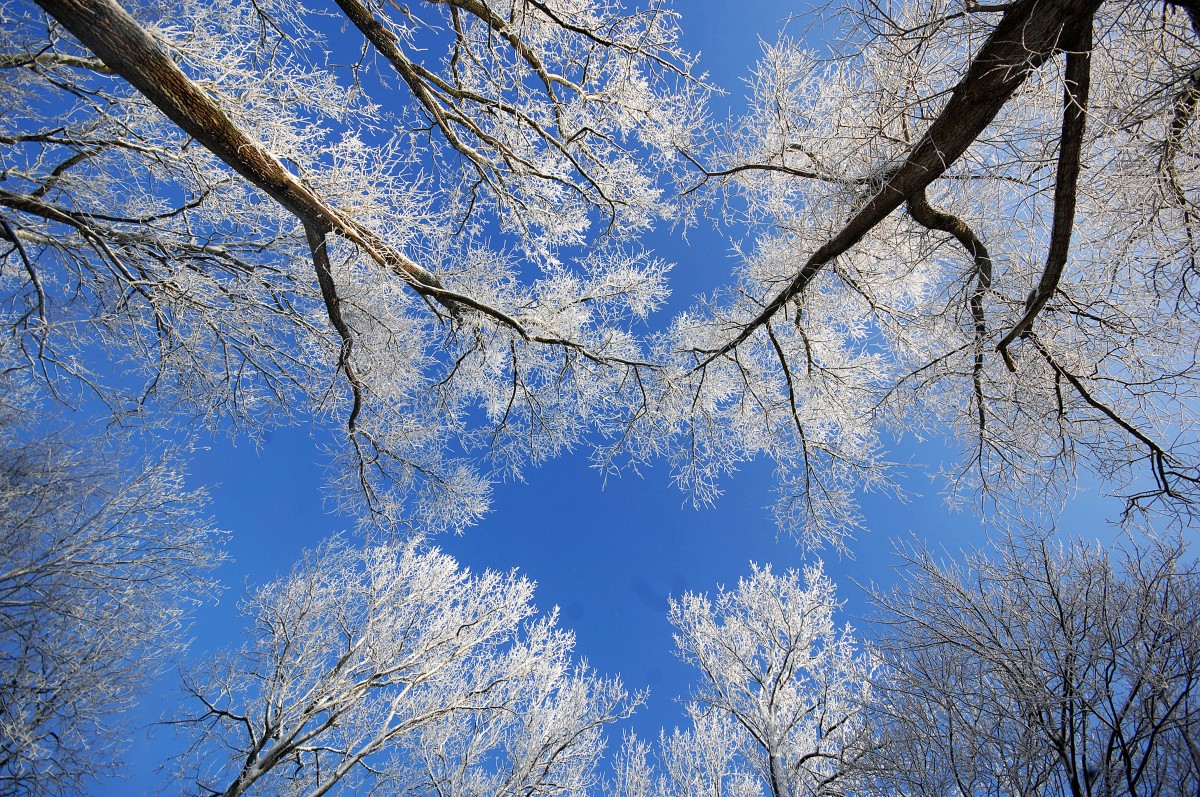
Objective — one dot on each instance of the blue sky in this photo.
(607, 554)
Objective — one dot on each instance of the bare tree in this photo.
(781, 704)
(103, 552)
(971, 218)
(1042, 669)
(392, 670)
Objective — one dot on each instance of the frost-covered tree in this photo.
(1037, 668)
(412, 218)
(103, 549)
(973, 220)
(1041, 668)
(392, 670)
(781, 706)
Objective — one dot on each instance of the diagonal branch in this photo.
(8, 233)
(1029, 33)
(121, 43)
(1166, 468)
(47, 58)
(125, 47)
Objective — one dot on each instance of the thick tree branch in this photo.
(117, 39)
(1075, 103)
(125, 47)
(1029, 33)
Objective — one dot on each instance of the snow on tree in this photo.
(421, 220)
(390, 669)
(265, 217)
(781, 706)
(973, 220)
(103, 552)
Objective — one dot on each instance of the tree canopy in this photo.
(974, 222)
(254, 234)
(390, 669)
(104, 554)
(422, 224)
(1037, 667)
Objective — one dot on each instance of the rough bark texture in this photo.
(128, 50)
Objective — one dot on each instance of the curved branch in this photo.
(933, 219)
(791, 171)
(1075, 102)
(121, 43)
(8, 233)
(333, 308)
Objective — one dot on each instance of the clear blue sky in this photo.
(607, 555)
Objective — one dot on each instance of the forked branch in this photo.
(1029, 33)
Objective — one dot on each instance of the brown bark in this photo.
(128, 50)
(1070, 147)
(1029, 33)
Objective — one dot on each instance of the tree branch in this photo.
(1075, 101)
(333, 308)
(1028, 34)
(933, 219)
(125, 47)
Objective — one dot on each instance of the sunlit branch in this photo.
(1029, 33)
(121, 43)
(48, 58)
(437, 97)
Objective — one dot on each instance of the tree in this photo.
(781, 706)
(390, 669)
(238, 202)
(103, 553)
(895, 195)
(1042, 669)
(975, 220)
